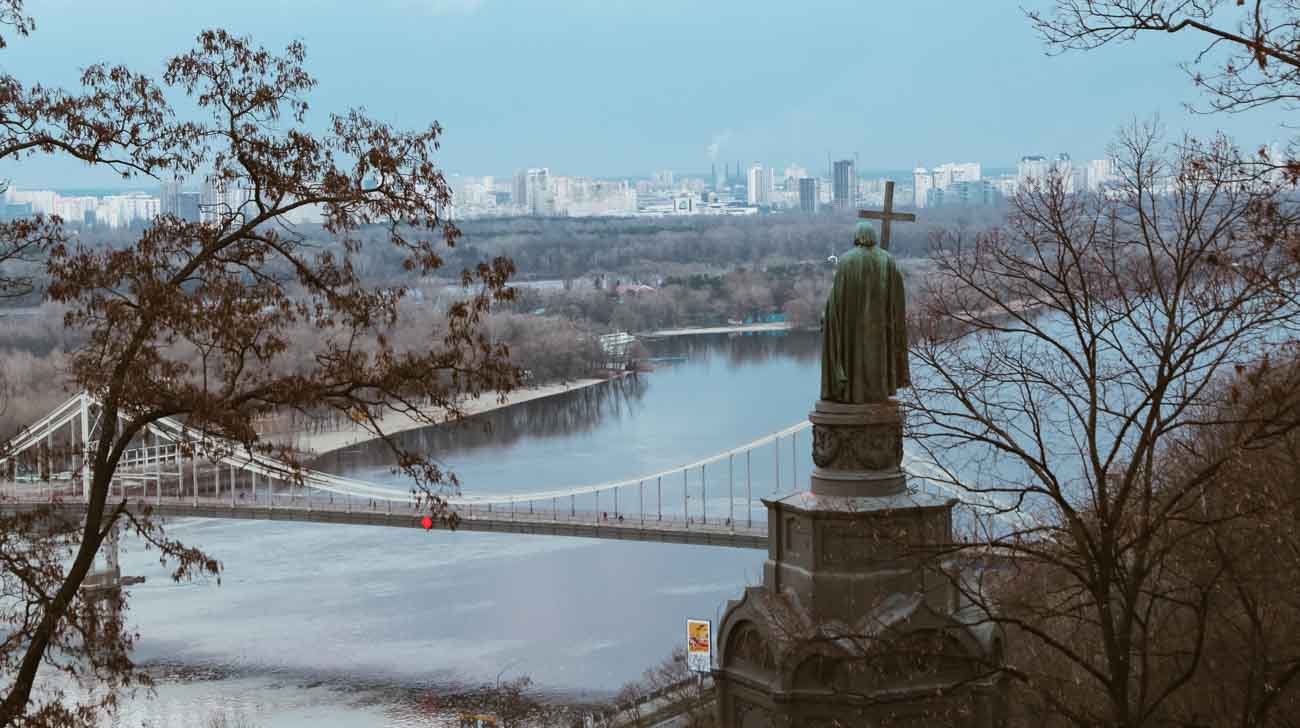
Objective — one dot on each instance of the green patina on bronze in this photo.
(864, 234)
(864, 332)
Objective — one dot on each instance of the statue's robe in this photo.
(864, 332)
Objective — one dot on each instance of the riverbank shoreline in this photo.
(323, 443)
(742, 329)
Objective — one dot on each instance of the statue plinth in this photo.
(857, 449)
(859, 620)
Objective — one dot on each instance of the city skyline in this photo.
(592, 80)
(194, 183)
(78, 182)
(538, 192)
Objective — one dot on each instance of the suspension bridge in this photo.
(175, 473)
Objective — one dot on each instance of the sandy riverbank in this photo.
(321, 443)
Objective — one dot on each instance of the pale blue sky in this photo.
(616, 87)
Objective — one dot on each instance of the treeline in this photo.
(794, 292)
(34, 353)
(629, 248)
(569, 248)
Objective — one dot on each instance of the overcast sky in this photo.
(624, 87)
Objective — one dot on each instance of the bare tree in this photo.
(668, 685)
(1243, 539)
(190, 320)
(1059, 361)
(1252, 49)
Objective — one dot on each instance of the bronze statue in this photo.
(864, 332)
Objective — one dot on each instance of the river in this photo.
(328, 625)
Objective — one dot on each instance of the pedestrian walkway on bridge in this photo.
(710, 501)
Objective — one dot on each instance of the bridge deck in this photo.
(579, 525)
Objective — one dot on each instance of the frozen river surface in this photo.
(326, 625)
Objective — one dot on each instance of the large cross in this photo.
(887, 215)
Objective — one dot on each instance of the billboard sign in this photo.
(699, 645)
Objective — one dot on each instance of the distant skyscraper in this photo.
(532, 192)
(759, 186)
(1098, 173)
(541, 201)
(1032, 168)
(808, 194)
(220, 201)
(188, 206)
(922, 181)
(793, 174)
(170, 196)
(845, 184)
(946, 174)
(519, 190)
(823, 192)
(1064, 169)
(964, 193)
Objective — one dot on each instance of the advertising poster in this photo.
(699, 645)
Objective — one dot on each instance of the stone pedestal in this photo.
(858, 620)
(857, 449)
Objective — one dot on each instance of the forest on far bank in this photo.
(647, 248)
(627, 249)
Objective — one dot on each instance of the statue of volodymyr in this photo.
(864, 332)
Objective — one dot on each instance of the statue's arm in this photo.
(833, 378)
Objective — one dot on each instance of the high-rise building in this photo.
(1065, 171)
(221, 200)
(845, 183)
(541, 200)
(1032, 168)
(519, 190)
(922, 181)
(170, 196)
(187, 206)
(533, 194)
(76, 209)
(946, 174)
(41, 202)
(117, 211)
(1098, 173)
(177, 202)
(965, 193)
(808, 201)
(759, 186)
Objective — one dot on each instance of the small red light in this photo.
(427, 522)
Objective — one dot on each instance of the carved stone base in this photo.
(858, 622)
(857, 449)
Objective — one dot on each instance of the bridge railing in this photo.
(34, 433)
(684, 492)
(147, 455)
(684, 489)
(706, 491)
